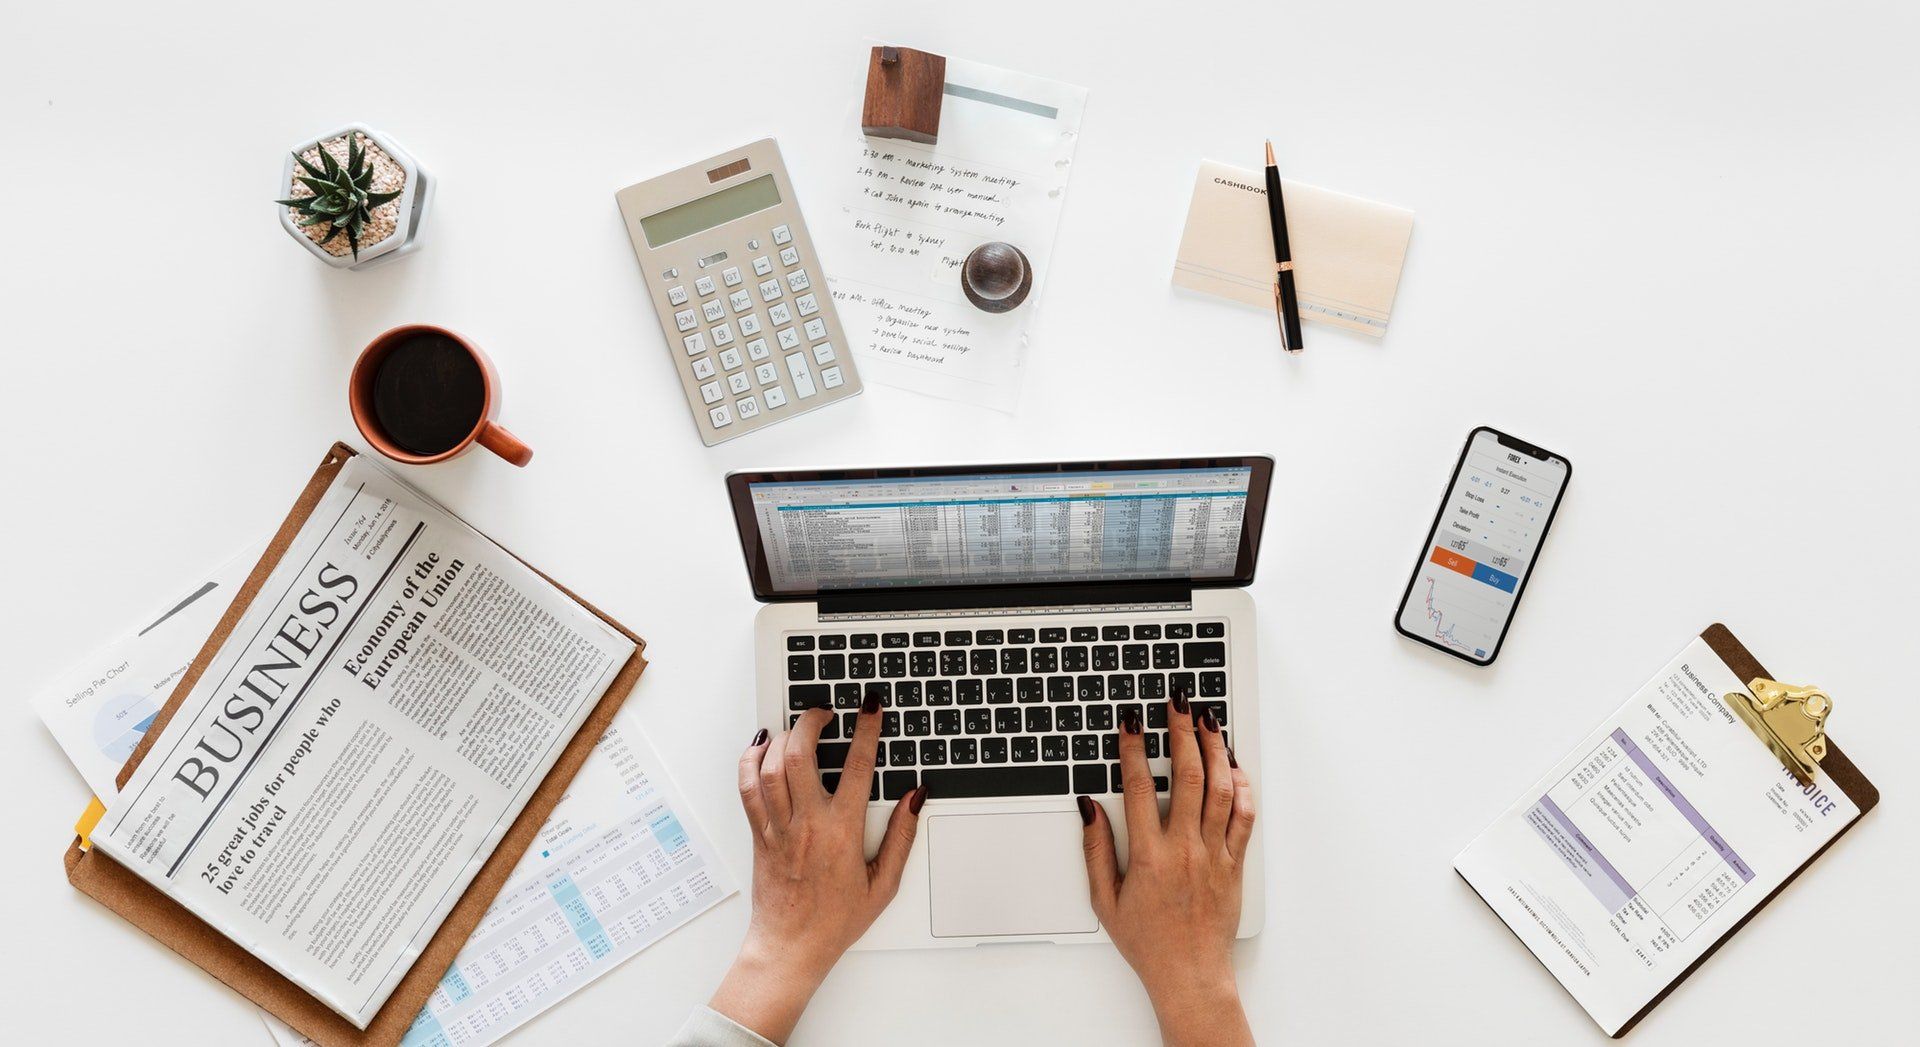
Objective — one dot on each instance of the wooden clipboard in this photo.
(144, 906)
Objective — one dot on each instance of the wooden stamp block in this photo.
(904, 88)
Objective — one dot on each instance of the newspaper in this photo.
(355, 751)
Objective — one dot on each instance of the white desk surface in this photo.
(1676, 245)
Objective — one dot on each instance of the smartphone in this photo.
(1481, 549)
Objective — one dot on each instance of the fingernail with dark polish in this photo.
(1207, 721)
(759, 738)
(917, 800)
(871, 703)
(1086, 809)
(1180, 705)
(1232, 760)
(1131, 721)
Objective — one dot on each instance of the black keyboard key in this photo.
(809, 696)
(1213, 685)
(927, 639)
(923, 663)
(1039, 720)
(968, 692)
(1166, 656)
(1161, 784)
(1115, 632)
(1031, 689)
(1119, 784)
(894, 639)
(1110, 747)
(1013, 661)
(830, 781)
(933, 752)
(1059, 688)
(889, 725)
(1073, 659)
(835, 642)
(953, 663)
(916, 723)
(1006, 721)
(979, 721)
(900, 753)
(846, 696)
(893, 664)
(832, 728)
(1085, 634)
(1099, 717)
(1218, 709)
(963, 782)
(1146, 632)
(1180, 630)
(946, 721)
(1153, 746)
(1086, 747)
(1210, 630)
(906, 694)
(1093, 688)
(982, 662)
(1053, 636)
(993, 750)
(959, 638)
(799, 643)
(832, 755)
(1120, 711)
(939, 692)
(1153, 686)
(993, 637)
(1106, 658)
(1133, 656)
(1157, 716)
(849, 722)
(964, 750)
(1053, 748)
(860, 665)
(800, 667)
(1182, 685)
(1019, 635)
(896, 784)
(1067, 718)
(999, 691)
(1204, 655)
(865, 641)
(1025, 748)
(792, 718)
(1045, 659)
(879, 690)
(833, 667)
(1090, 779)
(1120, 687)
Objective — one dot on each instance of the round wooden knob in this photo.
(996, 277)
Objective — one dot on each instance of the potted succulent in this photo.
(354, 198)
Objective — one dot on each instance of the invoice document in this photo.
(1648, 842)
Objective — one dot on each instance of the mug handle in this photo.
(495, 438)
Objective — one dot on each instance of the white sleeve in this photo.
(706, 1027)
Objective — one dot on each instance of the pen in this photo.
(1285, 301)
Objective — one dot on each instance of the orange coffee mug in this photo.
(422, 394)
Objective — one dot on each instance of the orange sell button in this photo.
(1453, 561)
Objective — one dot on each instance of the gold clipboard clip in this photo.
(1791, 720)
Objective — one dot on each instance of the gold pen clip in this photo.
(1791, 720)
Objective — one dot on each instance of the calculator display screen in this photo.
(698, 216)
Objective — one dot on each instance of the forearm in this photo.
(766, 991)
(1202, 1013)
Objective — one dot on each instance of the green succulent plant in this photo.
(342, 195)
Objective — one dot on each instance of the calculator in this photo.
(738, 287)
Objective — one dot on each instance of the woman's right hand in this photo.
(1173, 914)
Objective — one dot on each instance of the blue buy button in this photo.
(1498, 579)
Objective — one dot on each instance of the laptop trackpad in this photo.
(1008, 874)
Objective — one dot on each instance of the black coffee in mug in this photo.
(428, 393)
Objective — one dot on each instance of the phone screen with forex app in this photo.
(1485, 538)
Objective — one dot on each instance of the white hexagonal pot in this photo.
(410, 221)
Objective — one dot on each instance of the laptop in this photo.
(1006, 615)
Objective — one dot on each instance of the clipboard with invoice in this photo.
(1659, 836)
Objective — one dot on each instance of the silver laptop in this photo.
(1006, 615)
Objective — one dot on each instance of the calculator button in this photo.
(677, 294)
(779, 314)
(782, 235)
(789, 256)
(710, 392)
(730, 276)
(762, 266)
(723, 335)
(696, 343)
(703, 286)
(830, 378)
(753, 245)
(757, 349)
(684, 320)
(802, 378)
(767, 374)
(730, 359)
(703, 368)
(788, 340)
(742, 301)
(797, 281)
(776, 397)
(748, 408)
(816, 329)
(823, 353)
(808, 306)
(737, 382)
(713, 311)
(749, 324)
(721, 417)
(769, 290)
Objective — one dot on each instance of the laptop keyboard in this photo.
(1016, 711)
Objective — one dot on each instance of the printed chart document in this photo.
(99, 709)
(906, 216)
(1656, 835)
(355, 751)
(618, 866)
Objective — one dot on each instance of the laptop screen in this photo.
(983, 526)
